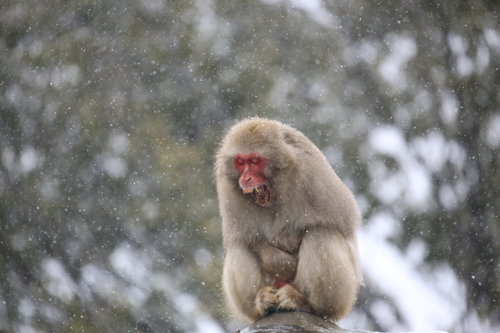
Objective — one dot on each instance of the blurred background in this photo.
(111, 111)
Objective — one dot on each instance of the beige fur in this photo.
(308, 235)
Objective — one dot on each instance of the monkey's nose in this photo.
(249, 179)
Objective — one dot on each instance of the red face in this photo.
(251, 168)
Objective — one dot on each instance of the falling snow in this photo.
(110, 117)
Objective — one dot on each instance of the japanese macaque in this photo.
(288, 222)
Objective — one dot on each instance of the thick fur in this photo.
(308, 235)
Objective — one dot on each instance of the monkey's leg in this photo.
(242, 280)
(328, 273)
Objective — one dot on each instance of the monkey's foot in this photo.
(266, 300)
(289, 299)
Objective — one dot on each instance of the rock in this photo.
(297, 322)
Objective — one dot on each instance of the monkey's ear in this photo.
(289, 138)
(287, 154)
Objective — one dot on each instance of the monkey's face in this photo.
(252, 179)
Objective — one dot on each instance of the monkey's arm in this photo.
(242, 279)
(288, 240)
(328, 272)
(276, 263)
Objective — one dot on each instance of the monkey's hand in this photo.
(270, 299)
(265, 302)
(277, 263)
(289, 299)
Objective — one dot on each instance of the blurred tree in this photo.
(449, 91)
(110, 113)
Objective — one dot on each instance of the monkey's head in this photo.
(251, 155)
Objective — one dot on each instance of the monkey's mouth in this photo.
(261, 193)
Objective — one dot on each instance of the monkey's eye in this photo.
(239, 161)
(255, 160)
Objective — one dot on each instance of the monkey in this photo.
(288, 225)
